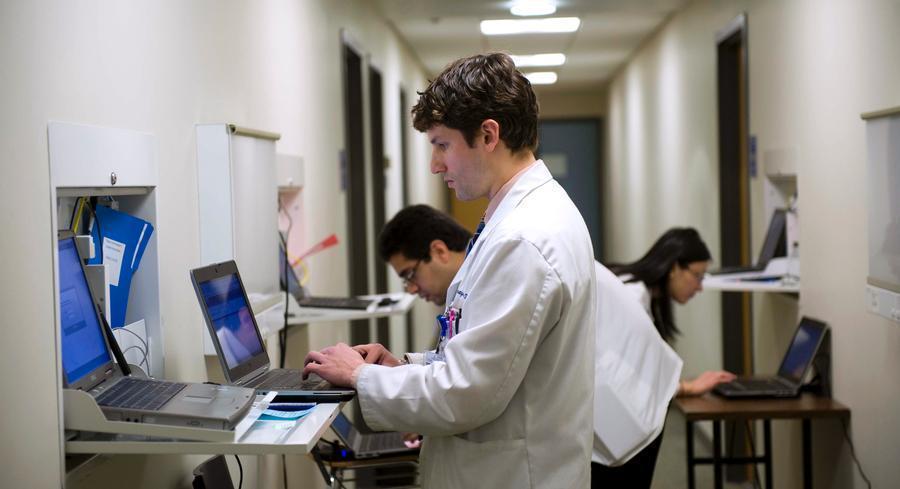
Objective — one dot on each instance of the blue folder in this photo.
(125, 238)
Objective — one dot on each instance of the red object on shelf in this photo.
(322, 245)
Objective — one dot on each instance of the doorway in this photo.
(734, 212)
(354, 163)
(571, 150)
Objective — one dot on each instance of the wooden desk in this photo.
(716, 409)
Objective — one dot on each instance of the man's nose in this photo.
(437, 165)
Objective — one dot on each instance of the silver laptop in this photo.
(794, 366)
(88, 366)
(368, 445)
(235, 334)
(305, 299)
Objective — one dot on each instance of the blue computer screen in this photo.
(801, 352)
(83, 347)
(232, 319)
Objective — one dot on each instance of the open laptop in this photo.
(235, 334)
(774, 245)
(88, 366)
(368, 445)
(794, 366)
(302, 296)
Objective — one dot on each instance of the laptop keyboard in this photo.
(291, 379)
(143, 394)
(335, 302)
(759, 385)
(381, 441)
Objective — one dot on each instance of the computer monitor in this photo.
(803, 348)
(774, 244)
(232, 319)
(85, 354)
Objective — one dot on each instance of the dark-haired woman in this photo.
(671, 271)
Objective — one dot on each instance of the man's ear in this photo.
(490, 134)
(439, 251)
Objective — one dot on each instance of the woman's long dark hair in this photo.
(678, 245)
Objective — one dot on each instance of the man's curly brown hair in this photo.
(471, 90)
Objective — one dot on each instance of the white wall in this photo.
(161, 67)
(814, 67)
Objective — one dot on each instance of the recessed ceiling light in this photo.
(546, 59)
(541, 77)
(529, 26)
(527, 8)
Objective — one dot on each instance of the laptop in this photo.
(235, 334)
(88, 366)
(302, 296)
(794, 366)
(369, 445)
(774, 245)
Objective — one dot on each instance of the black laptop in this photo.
(774, 245)
(796, 363)
(369, 445)
(304, 299)
(235, 334)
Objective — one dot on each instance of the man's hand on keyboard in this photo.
(335, 364)
(379, 355)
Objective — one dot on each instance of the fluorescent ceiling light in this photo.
(529, 26)
(547, 59)
(526, 8)
(541, 77)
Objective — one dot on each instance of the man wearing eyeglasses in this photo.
(426, 248)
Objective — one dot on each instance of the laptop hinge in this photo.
(255, 375)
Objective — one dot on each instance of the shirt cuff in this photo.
(355, 375)
(414, 358)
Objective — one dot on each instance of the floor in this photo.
(671, 466)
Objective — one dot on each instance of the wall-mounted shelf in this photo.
(238, 202)
(732, 284)
(307, 315)
(252, 439)
(780, 275)
(90, 161)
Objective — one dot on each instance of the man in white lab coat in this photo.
(506, 398)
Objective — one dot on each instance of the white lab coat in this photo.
(510, 407)
(636, 372)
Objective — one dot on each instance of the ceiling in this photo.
(440, 31)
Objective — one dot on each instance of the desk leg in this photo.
(690, 454)
(807, 454)
(767, 451)
(717, 454)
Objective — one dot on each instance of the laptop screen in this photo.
(231, 317)
(774, 245)
(802, 350)
(83, 346)
(342, 427)
(294, 287)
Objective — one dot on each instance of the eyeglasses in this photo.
(697, 275)
(408, 276)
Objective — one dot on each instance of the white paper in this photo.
(112, 258)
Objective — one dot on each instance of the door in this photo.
(571, 150)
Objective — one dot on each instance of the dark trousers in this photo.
(636, 473)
